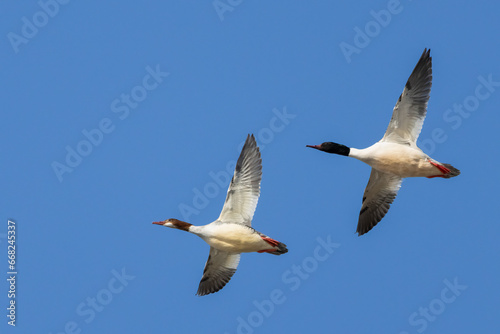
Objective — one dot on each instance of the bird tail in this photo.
(281, 249)
(452, 173)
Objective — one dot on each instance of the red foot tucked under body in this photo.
(270, 241)
(433, 176)
(442, 168)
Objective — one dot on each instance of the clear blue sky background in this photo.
(230, 74)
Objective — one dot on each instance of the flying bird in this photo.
(232, 233)
(396, 155)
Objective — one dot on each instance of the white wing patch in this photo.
(244, 190)
(410, 110)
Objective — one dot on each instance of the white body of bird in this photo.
(401, 160)
(231, 238)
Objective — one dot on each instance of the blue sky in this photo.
(119, 114)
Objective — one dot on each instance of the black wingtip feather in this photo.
(423, 67)
(217, 283)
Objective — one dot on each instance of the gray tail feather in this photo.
(453, 171)
(281, 249)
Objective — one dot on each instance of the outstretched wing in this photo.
(380, 192)
(219, 269)
(410, 110)
(244, 190)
